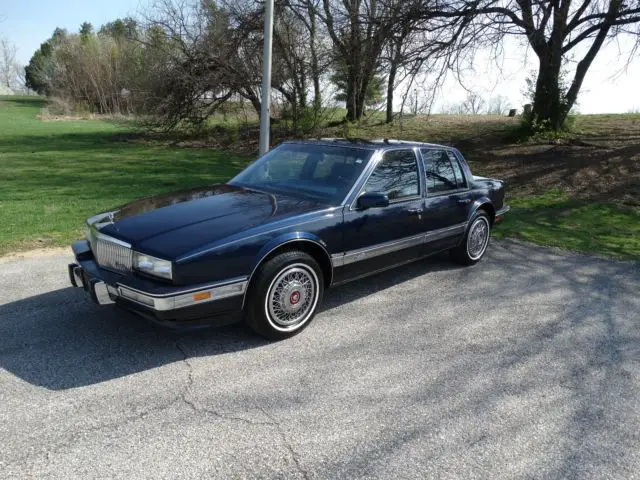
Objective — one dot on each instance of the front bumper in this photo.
(217, 304)
(500, 214)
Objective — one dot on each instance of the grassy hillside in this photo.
(582, 193)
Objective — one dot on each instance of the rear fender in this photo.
(484, 203)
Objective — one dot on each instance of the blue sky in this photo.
(28, 23)
(608, 87)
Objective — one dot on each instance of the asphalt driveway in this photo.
(525, 366)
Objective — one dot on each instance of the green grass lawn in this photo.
(55, 174)
(586, 226)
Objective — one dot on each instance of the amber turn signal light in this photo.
(198, 297)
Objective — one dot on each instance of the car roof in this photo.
(379, 144)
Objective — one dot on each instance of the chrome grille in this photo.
(113, 256)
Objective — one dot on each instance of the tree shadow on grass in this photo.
(587, 172)
(65, 142)
(25, 101)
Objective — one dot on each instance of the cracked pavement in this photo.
(525, 366)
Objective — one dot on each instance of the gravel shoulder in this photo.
(527, 365)
(36, 253)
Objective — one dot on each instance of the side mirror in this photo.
(372, 200)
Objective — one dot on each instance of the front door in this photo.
(378, 238)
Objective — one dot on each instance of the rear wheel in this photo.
(475, 242)
(285, 295)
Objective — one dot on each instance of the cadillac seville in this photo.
(306, 216)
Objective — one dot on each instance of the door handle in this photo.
(466, 201)
(416, 211)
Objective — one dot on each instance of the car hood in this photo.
(172, 224)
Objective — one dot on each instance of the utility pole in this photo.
(265, 114)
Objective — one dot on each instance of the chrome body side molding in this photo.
(353, 256)
(441, 233)
(366, 253)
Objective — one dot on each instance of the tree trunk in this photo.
(355, 96)
(363, 84)
(360, 107)
(548, 102)
(357, 85)
(255, 101)
(552, 102)
(315, 70)
(390, 86)
(354, 63)
(351, 95)
(302, 92)
(585, 63)
(396, 54)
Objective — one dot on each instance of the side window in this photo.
(457, 169)
(396, 176)
(441, 176)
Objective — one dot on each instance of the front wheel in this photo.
(285, 296)
(475, 242)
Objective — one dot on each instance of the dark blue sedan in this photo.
(306, 216)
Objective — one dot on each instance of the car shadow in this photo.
(61, 340)
(352, 291)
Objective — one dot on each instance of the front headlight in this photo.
(90, 236)
(87, 232)
(152, 265)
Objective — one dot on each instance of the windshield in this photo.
(323, 172)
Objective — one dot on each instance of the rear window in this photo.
(457, 169)
(443, 171)
(439, 172)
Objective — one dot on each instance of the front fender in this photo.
(287, 238)
(282, 241)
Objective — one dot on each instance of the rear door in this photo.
(448, 201)
(378, 238)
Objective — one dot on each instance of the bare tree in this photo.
(422, 40)
(9, 67)
(212, 50)
(398, 56)
(473, 104)
(498, 105)
(299, 54)
(553, 30)
(359, 30)
(308, 13)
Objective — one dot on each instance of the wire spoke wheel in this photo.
(478, 238)
(292, 297)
